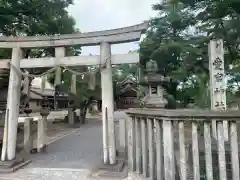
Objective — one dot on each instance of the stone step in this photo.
(118, 167)
(14, 165)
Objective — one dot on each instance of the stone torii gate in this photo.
(102, 38)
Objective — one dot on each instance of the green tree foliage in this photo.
(220, 19)
(178, 40)
(85, 95)
(167, 40)
(42, 17)
(34, 18)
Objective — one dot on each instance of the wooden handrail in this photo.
(184, 114)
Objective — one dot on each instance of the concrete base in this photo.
(117, 170)
(39, 150)
(118, 167)
(11, 166)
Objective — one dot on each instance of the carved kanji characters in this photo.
(218, 64)
(219, 77)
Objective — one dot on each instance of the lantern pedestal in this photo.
(154, 101)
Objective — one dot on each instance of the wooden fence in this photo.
(178, 144)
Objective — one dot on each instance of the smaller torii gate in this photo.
(102, 38)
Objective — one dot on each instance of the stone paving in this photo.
(81, 150)
(74, 157)
(60, 174)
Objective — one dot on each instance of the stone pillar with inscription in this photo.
(217, 82)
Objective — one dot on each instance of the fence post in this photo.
(122, 135)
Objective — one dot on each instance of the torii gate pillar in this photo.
(109, 145)
(13, 103)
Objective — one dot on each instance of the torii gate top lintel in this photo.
(113, 36)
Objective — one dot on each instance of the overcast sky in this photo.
(95, 15)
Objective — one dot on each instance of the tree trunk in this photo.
(99, 105)
(83, 112)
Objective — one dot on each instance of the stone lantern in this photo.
(153, 80)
